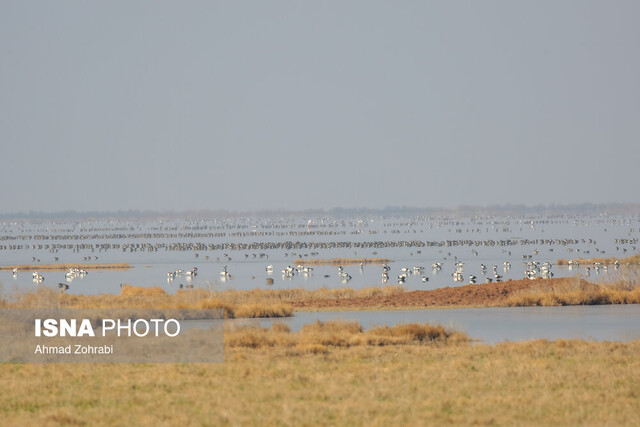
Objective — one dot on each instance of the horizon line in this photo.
(467, 209)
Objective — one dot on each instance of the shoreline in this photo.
(66, 267)
(259, 303)
(479, 295)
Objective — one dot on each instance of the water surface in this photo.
(496, 324)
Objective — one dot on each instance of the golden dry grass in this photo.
(624, 289)
(275, 377)
(322, 337)
(65, 267)
(301, 294)
(135, 297)
(139, 297)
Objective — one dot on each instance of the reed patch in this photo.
(323, 336)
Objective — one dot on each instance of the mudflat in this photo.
(486, 294)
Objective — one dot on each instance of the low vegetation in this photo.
(134, 297)
(334, 373)
(320, 337)
(235, 303)
(575, 291)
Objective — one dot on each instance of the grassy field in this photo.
(337, 374)
(334, 372)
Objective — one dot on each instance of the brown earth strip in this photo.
(487, 294)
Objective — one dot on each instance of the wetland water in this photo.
(246, 246)
(496, 324)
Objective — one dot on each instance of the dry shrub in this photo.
(337, 333)
(279, 327)
(319, 337)
(273, 296)
(263, 310)
(256, 337)
(310, 349)
(248, 337)
(41, 297)
(548, 299)
(138, 291)
(141, 298)
(410, 333)
(212, 303)
(575, 291)
(352, 327)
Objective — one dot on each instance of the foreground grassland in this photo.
(336, 374)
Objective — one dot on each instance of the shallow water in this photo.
(496, 324)
(247, 245)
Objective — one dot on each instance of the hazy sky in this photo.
(246, 105)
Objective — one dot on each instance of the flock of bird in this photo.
(533, 270)
(73, 273)
(190, 274)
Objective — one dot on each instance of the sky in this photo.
(253, 105)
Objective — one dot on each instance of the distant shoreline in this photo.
(506, 209)
(65, 267)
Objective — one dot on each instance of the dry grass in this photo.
(632, 260)
(66, 267)
(235, 303)
(134, 297)
(625, 289)
(321, 337)
(273, 377)
(343, 261)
